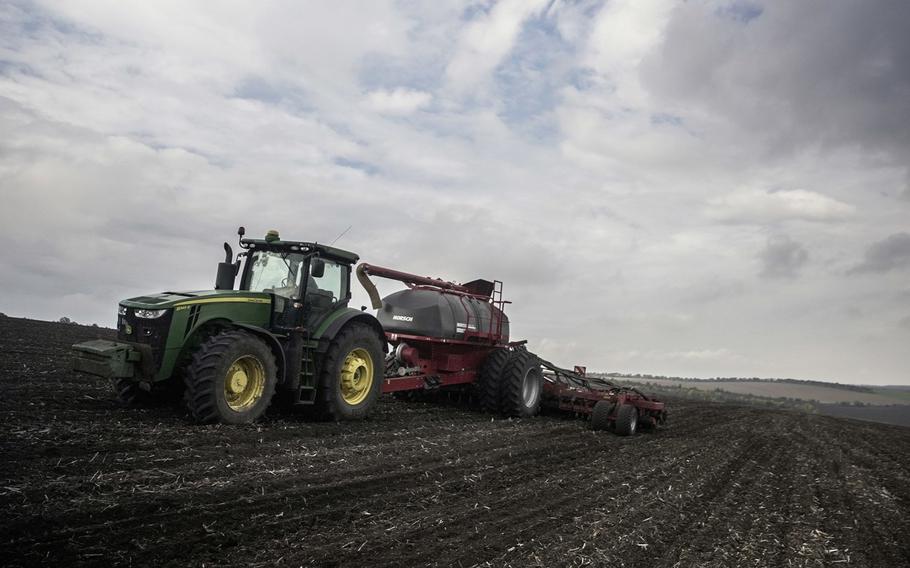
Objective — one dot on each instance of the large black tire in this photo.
(626, 420)
(522, 385)
(489, 380)
(342, 395)
(231, 379)
(600, 416)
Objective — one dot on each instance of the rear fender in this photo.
(340, 319)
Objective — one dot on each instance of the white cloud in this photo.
(486, 41)
(756, 206)
(625, 31)
(397, 101)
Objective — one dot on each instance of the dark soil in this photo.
(85, 482)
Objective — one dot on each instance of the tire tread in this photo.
(626, 417)
(200, 376)
(600, 416)
(327, 407)
(513, 375)
(489, 384)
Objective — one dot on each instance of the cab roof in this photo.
(324, 251)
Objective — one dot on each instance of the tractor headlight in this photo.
(149, 314)
(121, 310)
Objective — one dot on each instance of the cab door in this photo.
(326, 290)
(284, 275)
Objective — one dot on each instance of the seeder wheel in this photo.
(488, 387)
(600, 416)
(521, 385)
(626, 420)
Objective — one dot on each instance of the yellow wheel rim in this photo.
(356, 376)
(244, 383)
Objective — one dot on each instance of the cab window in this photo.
(334, 281)
(275, 272)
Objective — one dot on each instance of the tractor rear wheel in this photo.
(600, 416)
(522, 384)
(231, 379)
(490, 378)
(351, 376)
(626, 420)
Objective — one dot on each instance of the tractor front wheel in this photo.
(231, 379)
(352, 372)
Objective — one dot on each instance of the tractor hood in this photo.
(166, 300)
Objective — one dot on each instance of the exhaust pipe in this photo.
(227, 270)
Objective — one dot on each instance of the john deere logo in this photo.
(403, 318)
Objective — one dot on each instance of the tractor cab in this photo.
(307, 281)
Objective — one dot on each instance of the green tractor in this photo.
(287, 328)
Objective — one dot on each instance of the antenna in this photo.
(343, 233)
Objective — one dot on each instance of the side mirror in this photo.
(317, 268)
(241, 231)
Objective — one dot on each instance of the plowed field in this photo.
(85, 482)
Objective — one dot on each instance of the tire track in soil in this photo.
(621, 517)
(860, 486)
(459, 521)
(221, 505)
(365, 501)
(557, 503)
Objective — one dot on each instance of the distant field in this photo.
(901, 393)
(898, 414)
(775, 389)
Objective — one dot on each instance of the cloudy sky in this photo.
(697, 189)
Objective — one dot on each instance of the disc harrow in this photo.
(609, 406)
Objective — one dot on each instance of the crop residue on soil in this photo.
(85, 482)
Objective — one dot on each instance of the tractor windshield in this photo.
(275, 272)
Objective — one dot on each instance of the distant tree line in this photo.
(854, 388)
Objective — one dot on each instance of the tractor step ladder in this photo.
(306, 393)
